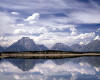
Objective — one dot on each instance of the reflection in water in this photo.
(82, 68)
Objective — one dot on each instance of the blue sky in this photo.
(50, 21)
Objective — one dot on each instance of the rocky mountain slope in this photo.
(25, 44)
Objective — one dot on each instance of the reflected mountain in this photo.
(27, 64)
(80, 68)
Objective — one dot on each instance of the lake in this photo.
(80, 68)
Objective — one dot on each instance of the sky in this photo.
(50, 21)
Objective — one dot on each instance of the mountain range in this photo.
(1, 48)
(27, 44)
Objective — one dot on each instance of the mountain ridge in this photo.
(24, 44)
(61, 46)
(27, 44)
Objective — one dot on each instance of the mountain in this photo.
(42, 47)
(61, 46)
(25, 44)
(1, 48)
(76, 47)
(93, 46)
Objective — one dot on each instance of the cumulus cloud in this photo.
(86, 35)
(84, 38)
(33, 19)
(20, 31)
(30, 31)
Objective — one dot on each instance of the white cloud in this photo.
(48, 36)
(2, 38)
(98, 30)
(49, 32)
(97, 37)
(5, 23)
(65, 38)
(88, 17)
(81, 43)
(20, 25)
(74, 76)
(17, 77)
(20, 31)
(8, 67)
(30, 31)
(33, 19)
(15, 13)
(84, 64)
(97, 69)
(84, 38)
(85, 35)
(73, 30)
(45, 36)
(50, 68)
(79, 12)
(8, 40)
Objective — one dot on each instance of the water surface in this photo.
(81, 68)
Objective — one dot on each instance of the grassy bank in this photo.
(46, 54)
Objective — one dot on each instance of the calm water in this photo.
(82, 68)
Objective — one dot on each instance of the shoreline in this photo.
(45, 55)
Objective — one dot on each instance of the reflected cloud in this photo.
(71, 69)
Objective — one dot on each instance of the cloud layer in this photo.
(47, 23)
